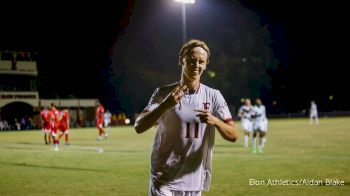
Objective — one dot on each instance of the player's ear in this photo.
(182, 61)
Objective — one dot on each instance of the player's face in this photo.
(258, 102)
(194, 64)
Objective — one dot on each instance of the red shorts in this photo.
(99, 123)
(54, 131)
(46, 127)
(63, 128)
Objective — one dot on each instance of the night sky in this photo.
(96, 49)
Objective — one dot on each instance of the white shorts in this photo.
(167, 192)
(261, 125)
(107, 123)
(247, 125)
(313, 115)
(163, 191)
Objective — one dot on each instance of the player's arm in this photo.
(254, 114)
(240, 113)
(42, 121)
(68, 122)
(226, 129)
(149, 118)
(60, 116)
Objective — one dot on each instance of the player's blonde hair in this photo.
(189, 46)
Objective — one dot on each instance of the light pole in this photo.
(184, 30)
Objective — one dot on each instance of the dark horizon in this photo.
(82, 44)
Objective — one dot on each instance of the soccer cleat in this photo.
(55, 147)
(98, 139)
(106, 137)
(260, 150)
(254, 150)
(67, 143)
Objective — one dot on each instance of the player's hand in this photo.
(175, 95)
(206, 117)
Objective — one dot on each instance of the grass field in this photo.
(294, 151)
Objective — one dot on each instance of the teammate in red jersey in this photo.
(100, 120)
(45, 116)
(64, 125)
(55, 115)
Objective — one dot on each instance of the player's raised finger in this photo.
(175, 90)
(200, 110)
(182, 87)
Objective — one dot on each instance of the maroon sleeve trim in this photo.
(228, 120)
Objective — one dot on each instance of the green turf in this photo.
(294, 151)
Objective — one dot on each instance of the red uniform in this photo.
(99, 116)
(64, 124)
(100, 120)
(64, 118)
(45, 116)
(55, 116)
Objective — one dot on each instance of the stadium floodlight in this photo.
(185, 1)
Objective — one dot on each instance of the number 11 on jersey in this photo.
(188, 130)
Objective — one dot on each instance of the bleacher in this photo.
(17, 63)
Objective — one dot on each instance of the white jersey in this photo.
(107, 117)
(183, 146)
(259, 112)
(260, 120)
(246, 111)
(313, 109)
(246, 120)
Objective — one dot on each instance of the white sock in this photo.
(263, 141)
(246, 139)
(107, 131)
(254, 142)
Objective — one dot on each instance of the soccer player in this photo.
(100, 120)
(55, 120)
(260, 125)
(313, 113)
(245, 112)
(107, 120)
(187, 113)
(45, 117)
(64, 125)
